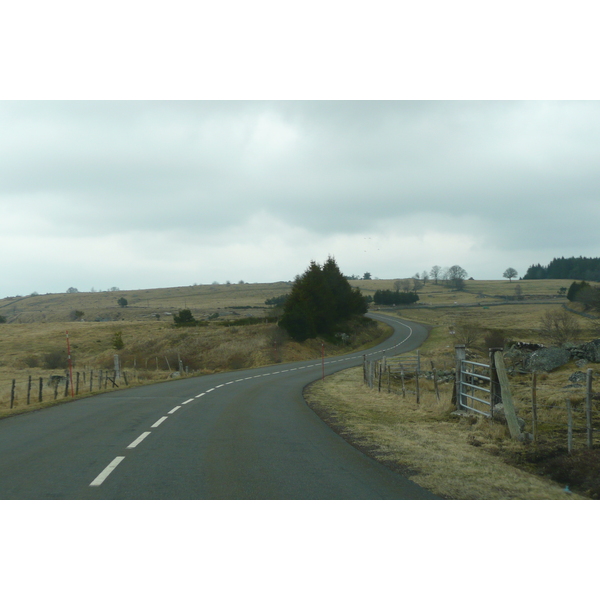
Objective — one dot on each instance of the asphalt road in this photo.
(239, 435)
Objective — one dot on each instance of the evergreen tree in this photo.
(320, 300)
(184, 318)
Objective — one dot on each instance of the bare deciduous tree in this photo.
(435, 273)
(467, 334)
(560, 326)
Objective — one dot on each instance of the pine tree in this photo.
(320, 300)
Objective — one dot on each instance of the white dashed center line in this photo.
(139, 440)
(111, 467)
(173, 410)
(161, 420)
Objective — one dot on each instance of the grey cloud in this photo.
(525, 171)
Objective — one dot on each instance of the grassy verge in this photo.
(425, 442)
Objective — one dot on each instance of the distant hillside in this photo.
(586, 269)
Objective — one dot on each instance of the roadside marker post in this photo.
(70, 366)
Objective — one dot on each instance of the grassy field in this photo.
(144, 305)
(441, 452)
(33, 341)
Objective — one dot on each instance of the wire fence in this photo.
(48, 386)
(569, 417)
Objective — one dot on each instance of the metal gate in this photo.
(471, 393)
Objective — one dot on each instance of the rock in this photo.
(591, 351)
(500, 416)
(578, 377)
(582, 363)
(548, 359)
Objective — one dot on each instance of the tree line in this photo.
(388, 297)
(582, 268)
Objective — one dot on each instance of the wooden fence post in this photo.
(389, 379)
(569, 427)
(418, 387)
(125, 378)
(56, 390)
(91, 379)
(12, 392)
(460, 355)
(28, 389)
(41, 389)
(67, 386)
(495, 391)
(534, 406)
(435, 382)
(509, 409)
(380, 376)
(77, 384)
(588, 409)
(402, 378)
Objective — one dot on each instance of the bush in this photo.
(277, 300)
(560, 326)
(32, 361)
(2, 319)
(184, 318)
(117, 341)
(467, 334)
(387, 297)
(494, 338)
(55, 359)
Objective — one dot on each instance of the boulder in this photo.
(578, 377)
(548, 359)
(591, 351)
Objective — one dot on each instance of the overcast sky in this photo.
(144, 194)
(98, 192)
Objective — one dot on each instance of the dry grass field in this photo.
(144, 305)
(33, 341)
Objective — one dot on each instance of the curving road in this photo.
(238, 435)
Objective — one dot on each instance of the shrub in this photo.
(560, 326)
(277, 300)
(32, 361)
(117, 341)
(184, 318)
(467, 334)
(494, 338)
(55, 359)
(387, 297)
